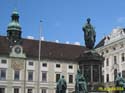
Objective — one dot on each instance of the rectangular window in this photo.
(87, 72)
(2, 90)
(2, 74)
(123, 73)
(57, 65)
(107, 62)
(30, 63)
(3, 61)
(57, 77)
(107, 77)
(70, 78)
(95, 73)
(115, 60)
(103, 64)
(70, 67)
(44, 64)
(122, 57)
(16, 75)
(43, 91)
(16, 90)
(29, 90)
(30, 75)
(44, 76)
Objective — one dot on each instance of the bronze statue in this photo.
(89, 34)
(61, 85)
(120, 82)
(81, 85)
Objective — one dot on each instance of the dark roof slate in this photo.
(49, 50)
(101, 43)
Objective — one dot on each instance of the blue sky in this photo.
(63, 19)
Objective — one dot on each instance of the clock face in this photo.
(17, 50)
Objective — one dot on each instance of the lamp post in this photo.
(39, 55)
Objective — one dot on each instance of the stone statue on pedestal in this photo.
(89, 34)
(81, 85)
(61, 85)
(120, 82)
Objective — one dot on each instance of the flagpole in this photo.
(39, 55)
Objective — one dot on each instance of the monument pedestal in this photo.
(90, 64)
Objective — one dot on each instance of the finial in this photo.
(15, 5)
(15, 12)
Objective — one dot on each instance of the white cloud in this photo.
(121, 19)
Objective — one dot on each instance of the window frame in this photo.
(58, 65)
(1, 77)
(29, 91)
(3, 60)
(70, 81)
(44, 80)
(44, 64)
(123, 57)
(44, 90)
(30, 71)
(15, 74)
(3, 91)
(57, 78)
(16, 91)
(70, 67)
(107, 77)
(115, 59)
(107, 61)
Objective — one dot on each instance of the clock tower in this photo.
(14, 36)
(14, 30)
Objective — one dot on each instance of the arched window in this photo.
(115, 74)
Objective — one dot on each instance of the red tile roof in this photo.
(49, 50)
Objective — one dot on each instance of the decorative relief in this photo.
(17, 64)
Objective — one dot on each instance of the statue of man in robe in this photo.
(89, 34)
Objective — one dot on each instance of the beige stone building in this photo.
(112, 47)
(23, 71)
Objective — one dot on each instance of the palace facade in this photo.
(22, 70)
(112, 48)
